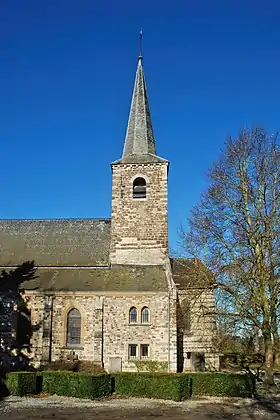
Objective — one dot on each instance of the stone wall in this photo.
(198, 337)
(139, 230)
(36, 304)
(52, 333)
(7, 333)
(106, 332)
(118, 333)
(105, 329)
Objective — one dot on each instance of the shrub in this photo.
(151, 366)
(217, 383)
(80, 385)
(61, 365)
(165, 386)
(75, 366)
(22, 383)
(89, 367)
(234, 361)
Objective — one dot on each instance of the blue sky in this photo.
(66, 77)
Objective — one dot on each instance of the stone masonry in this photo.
(139, 227)
(105, 330)
(198, 338)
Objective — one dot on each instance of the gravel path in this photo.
(64, 408)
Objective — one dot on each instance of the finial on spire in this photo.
(140, 43)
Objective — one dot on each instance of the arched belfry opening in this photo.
(139, 188)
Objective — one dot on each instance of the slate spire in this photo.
(139, 138)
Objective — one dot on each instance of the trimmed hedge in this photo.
(181, 386)
(22, 383)
(221, 384)
(79, 385)
(174, 386)
(153, 385)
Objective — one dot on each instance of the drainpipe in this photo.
(171, 290)
(51, 330)
(102, 334)
(168, 317)
(49, 309)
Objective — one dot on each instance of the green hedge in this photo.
(221, 384)
(79, 385)
(22, 383)
(174, 386)
(153, 385)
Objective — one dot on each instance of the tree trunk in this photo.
(269, 362)
(276, 343)
(277, 358)
(256, 342)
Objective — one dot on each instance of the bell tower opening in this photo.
(139, 188)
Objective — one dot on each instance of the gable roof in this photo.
(190, 273)
(57, 242)
(118, 278)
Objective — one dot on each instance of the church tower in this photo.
(139, 228)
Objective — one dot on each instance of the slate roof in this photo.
(117, 278)
(148, 158)
(58, 242)
(189, 273)
(139, 145)
(139, 135)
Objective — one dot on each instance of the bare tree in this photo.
(235, 232)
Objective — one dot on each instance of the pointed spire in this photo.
(139, 138)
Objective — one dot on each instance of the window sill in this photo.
(137, 324)
(73, 347)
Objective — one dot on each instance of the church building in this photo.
(106, 290)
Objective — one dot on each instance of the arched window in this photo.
(73, 335)
(145, 315)
(139, 188)
(133, 315)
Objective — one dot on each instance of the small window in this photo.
(73, 337)
(139, 188)
(132, 351)
(144, 351)
(145, 316)
(133, 315)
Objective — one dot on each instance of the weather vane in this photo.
(140, 43)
